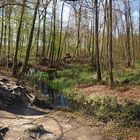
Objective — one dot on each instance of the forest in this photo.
(69, 69)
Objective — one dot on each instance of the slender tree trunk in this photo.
(65, 36)
(97, 41)
(14, 69)
(61, 30)
(104, 34)
(93, 46)
(9, 37)
(2, 27)
(44, 31)
(78, 23)
(128, 26)
(49, 49)
(132, 34)
(38, 37)
(54, 35)
(5, 36)
(110, 45)
(25, 65)
(21, 49)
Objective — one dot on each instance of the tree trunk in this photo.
(61, 29)
(110, 44)
(127, 19)
(97, 41)
(38, 36)
(25, 65)
(14, 69)
(9, 36)
(53, 43)
(2, 27)
(44, 30)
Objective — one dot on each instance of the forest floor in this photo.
(122, 93)
(63, 124)
(67, 125)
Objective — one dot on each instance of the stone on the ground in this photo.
(38, 133)
(3, 131)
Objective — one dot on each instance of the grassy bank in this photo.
(103, 105)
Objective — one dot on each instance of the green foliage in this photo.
(61, 83)
(35, 76)
(69, 78)
(131, 76)
(86, 78)
(130, 113)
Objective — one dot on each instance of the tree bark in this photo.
(25, 65)
(99, 78)
(2, 27)
(110, 45)
(14, 69)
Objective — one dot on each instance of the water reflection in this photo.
(54, 99)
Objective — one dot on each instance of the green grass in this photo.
(131, 76)
(103, 108)
(70, 78)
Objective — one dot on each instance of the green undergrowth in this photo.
(104, 108)
(107, 109)
(70, 78)
(131, 76)
(122, 133)
(35, 76)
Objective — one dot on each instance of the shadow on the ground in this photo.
(24, 110)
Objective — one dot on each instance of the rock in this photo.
(37, 133)
(12, 93)
(1, 138)
(4, 130)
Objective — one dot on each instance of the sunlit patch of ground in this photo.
(129, 93)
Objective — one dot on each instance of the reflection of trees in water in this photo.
(55, 98)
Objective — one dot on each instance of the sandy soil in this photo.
(64, 125)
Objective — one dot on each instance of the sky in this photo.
(133, 3)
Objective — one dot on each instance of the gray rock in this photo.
(1, 138)
(12, 93)
(38, 133)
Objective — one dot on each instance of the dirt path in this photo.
(64, 125)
